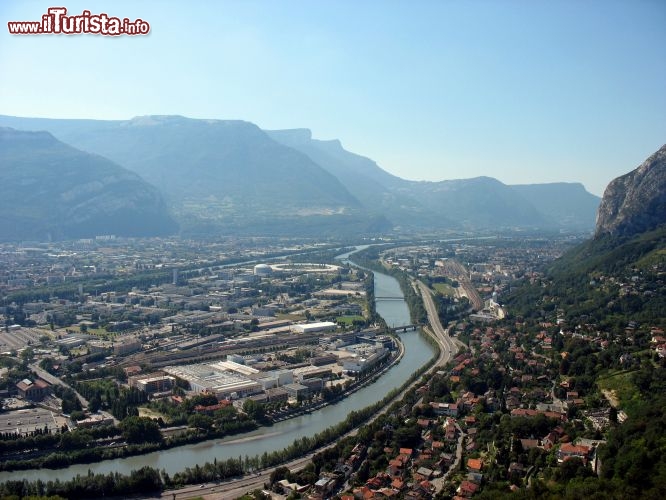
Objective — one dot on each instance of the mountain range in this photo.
(478, 203)
(49, 189)
(222, 177)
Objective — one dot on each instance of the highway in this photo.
(449, 347)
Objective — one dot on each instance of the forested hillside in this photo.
(607, 300)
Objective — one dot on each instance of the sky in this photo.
(523, 91)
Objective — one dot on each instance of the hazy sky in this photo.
(524, 91)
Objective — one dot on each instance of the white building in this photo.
(215, 380)
(363, 361)
(277, 378)
(323, 326)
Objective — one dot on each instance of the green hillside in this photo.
(606, 299)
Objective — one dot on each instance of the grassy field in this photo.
(147, 412)
(444, 289)
(99, 332)
(620, 386)
(290, 317)
(349, 320)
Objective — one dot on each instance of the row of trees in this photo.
(143, 481)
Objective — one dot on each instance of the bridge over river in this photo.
(405, 328)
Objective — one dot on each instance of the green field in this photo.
(444, 289)
(622, 387)
(349, 320)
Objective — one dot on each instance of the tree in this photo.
(278, 474)
(70, 402)
(407, 436)
(78, 415)
(571, 468)
(27, 354)
(200, 421)
(140, 430)
(254, 410)
(94, 403)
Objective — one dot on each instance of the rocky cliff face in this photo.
(635, 202)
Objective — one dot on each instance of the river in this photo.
(282, 434)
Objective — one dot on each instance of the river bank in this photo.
(417, 352)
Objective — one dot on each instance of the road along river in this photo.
(417, 353)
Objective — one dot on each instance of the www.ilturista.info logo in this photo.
(57, 22)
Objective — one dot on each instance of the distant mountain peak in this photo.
(635, 202)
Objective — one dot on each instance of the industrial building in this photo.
(26, 421)
(296, 391)
(307, 372)
(278, 394)
(152, 383)
(126, 346)
(95, 421)
(314, 384)
(365, 357)
(74, 340)
(277, 378)
(33, 391)
(208, 378)
(323, 326)
(232, 366)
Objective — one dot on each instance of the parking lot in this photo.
(27, 420)
(19, 338)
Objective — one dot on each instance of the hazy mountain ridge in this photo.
(564, 203)
(221, 177)
(481, 202)
(378, 190)
(231, 176)
(50, 189)
(636, 201)
(332, 156)
(190, 158)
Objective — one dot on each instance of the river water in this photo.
(417, 353)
